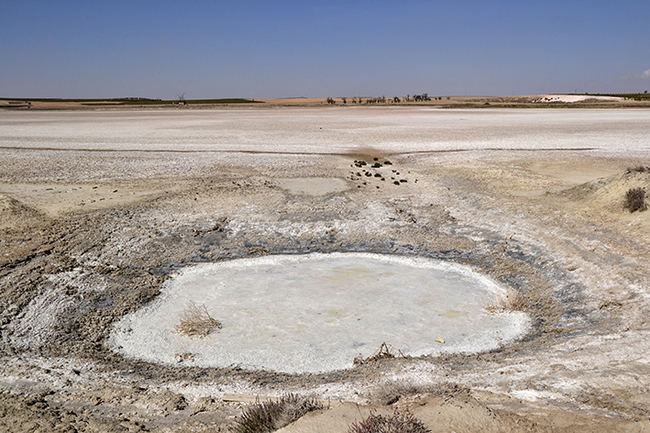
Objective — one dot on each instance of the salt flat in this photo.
(101, 209)
(330, 130)
(318, 312)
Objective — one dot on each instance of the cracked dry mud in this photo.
(88, 237)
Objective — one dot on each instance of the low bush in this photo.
(399, 422)
(635, 200)
(272, 415)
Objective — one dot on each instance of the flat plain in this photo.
(99, 209)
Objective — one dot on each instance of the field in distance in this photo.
(634, 100)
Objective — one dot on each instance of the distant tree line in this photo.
(423, 97)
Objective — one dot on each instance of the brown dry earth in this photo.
(86, 237)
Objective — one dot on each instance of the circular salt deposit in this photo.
(317, 312)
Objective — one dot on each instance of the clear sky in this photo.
(275, 48)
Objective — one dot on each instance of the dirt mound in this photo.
(13, 212)
(609, 193)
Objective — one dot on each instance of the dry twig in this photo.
(197, 322)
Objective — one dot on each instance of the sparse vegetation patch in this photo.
(399, 422)
(272, 415)
(635, 200)
(197, 322)
(639, 169)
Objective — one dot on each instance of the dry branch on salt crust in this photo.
(384, 352)
(197, 322)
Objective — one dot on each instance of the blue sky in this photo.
(319, 48)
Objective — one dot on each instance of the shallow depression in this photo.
(317, 312)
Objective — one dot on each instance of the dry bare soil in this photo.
(98, 209)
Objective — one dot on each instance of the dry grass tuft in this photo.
(513, 301)
(197, 322)
(399, 422)
(384, 352)
(271, 415)
(635, 200)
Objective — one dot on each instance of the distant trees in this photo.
(379, 100)
(423, 97)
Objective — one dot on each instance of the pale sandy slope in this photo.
(576, 98)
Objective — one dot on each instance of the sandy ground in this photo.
(98, 209)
